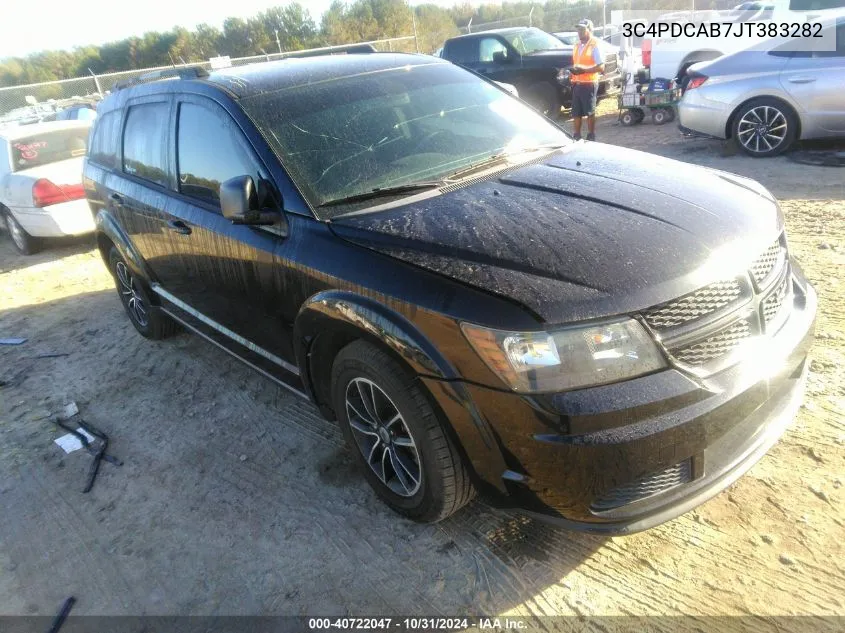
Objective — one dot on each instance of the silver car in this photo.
(770, 95)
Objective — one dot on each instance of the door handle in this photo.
(801, 80)
(116, 199)
(179, 226)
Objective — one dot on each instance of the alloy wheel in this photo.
(16, 232)
(129, 292)
(383, 437)
(762, 129)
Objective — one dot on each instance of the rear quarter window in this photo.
(105, 141)
(49, 147)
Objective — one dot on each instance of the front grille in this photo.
(764, 265)
(646, 487)
(693, 306)
(774, 302)
(720, 344)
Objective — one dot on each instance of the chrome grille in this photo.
(774, 302)
(646, 487)
(693, 306)
(720, 344)
(764, 265)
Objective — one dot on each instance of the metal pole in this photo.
(96, 82)
(414, 21)
(530, 17)
(469, 26)
(276, 31)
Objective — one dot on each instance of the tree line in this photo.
(292, 27)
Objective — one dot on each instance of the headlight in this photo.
(566, 358)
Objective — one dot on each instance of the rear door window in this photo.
(105, 141)
(463, 51)
(49, 147)
(210, 150)
(145, 142)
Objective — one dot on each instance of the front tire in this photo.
(25, 243)
(403, 448)
(148, 319)
(765, 127)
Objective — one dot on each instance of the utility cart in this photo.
(656, 98)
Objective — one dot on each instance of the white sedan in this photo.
(41, 194)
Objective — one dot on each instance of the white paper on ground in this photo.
(71, 443)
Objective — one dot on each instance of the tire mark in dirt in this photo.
(63, 532)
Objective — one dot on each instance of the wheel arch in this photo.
(702, 55)
(332, 319)
(109, 234)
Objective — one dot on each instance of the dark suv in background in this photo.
(534, 61)
(600, 336)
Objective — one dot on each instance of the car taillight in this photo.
(45, 193)
(646, 51)
(695, 82)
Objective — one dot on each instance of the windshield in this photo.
(533, 40)
(568, 38)
(49, 147)
(348, 136)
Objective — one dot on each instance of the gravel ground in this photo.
(237, 498)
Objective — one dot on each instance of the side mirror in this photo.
(239, 203)
(499, 57)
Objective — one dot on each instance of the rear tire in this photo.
(148, 319)
(628, 118)
(544, 97)
(25, 243)
(411, 462)
(759, 114)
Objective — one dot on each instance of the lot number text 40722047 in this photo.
(416, 624)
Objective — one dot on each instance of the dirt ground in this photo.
(237, 498)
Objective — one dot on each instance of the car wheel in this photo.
(764, 127)
(403, 448)
(148, 319)
(23, 241)
(544, 98)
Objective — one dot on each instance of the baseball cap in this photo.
(585, 24)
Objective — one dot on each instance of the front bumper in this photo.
(564, 455)
(57, 220)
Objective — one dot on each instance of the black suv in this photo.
(603, 337)
(533, 61)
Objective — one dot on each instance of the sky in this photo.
(34, 26)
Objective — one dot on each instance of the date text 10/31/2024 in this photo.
(415, 624)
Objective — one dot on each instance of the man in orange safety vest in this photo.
(587, 66)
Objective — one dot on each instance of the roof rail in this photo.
(185, 72)
(333, 50)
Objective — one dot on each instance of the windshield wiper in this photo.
(384, 192)
(496, 158)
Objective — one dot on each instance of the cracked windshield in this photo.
(404, 127)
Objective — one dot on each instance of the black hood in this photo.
(591, 231)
